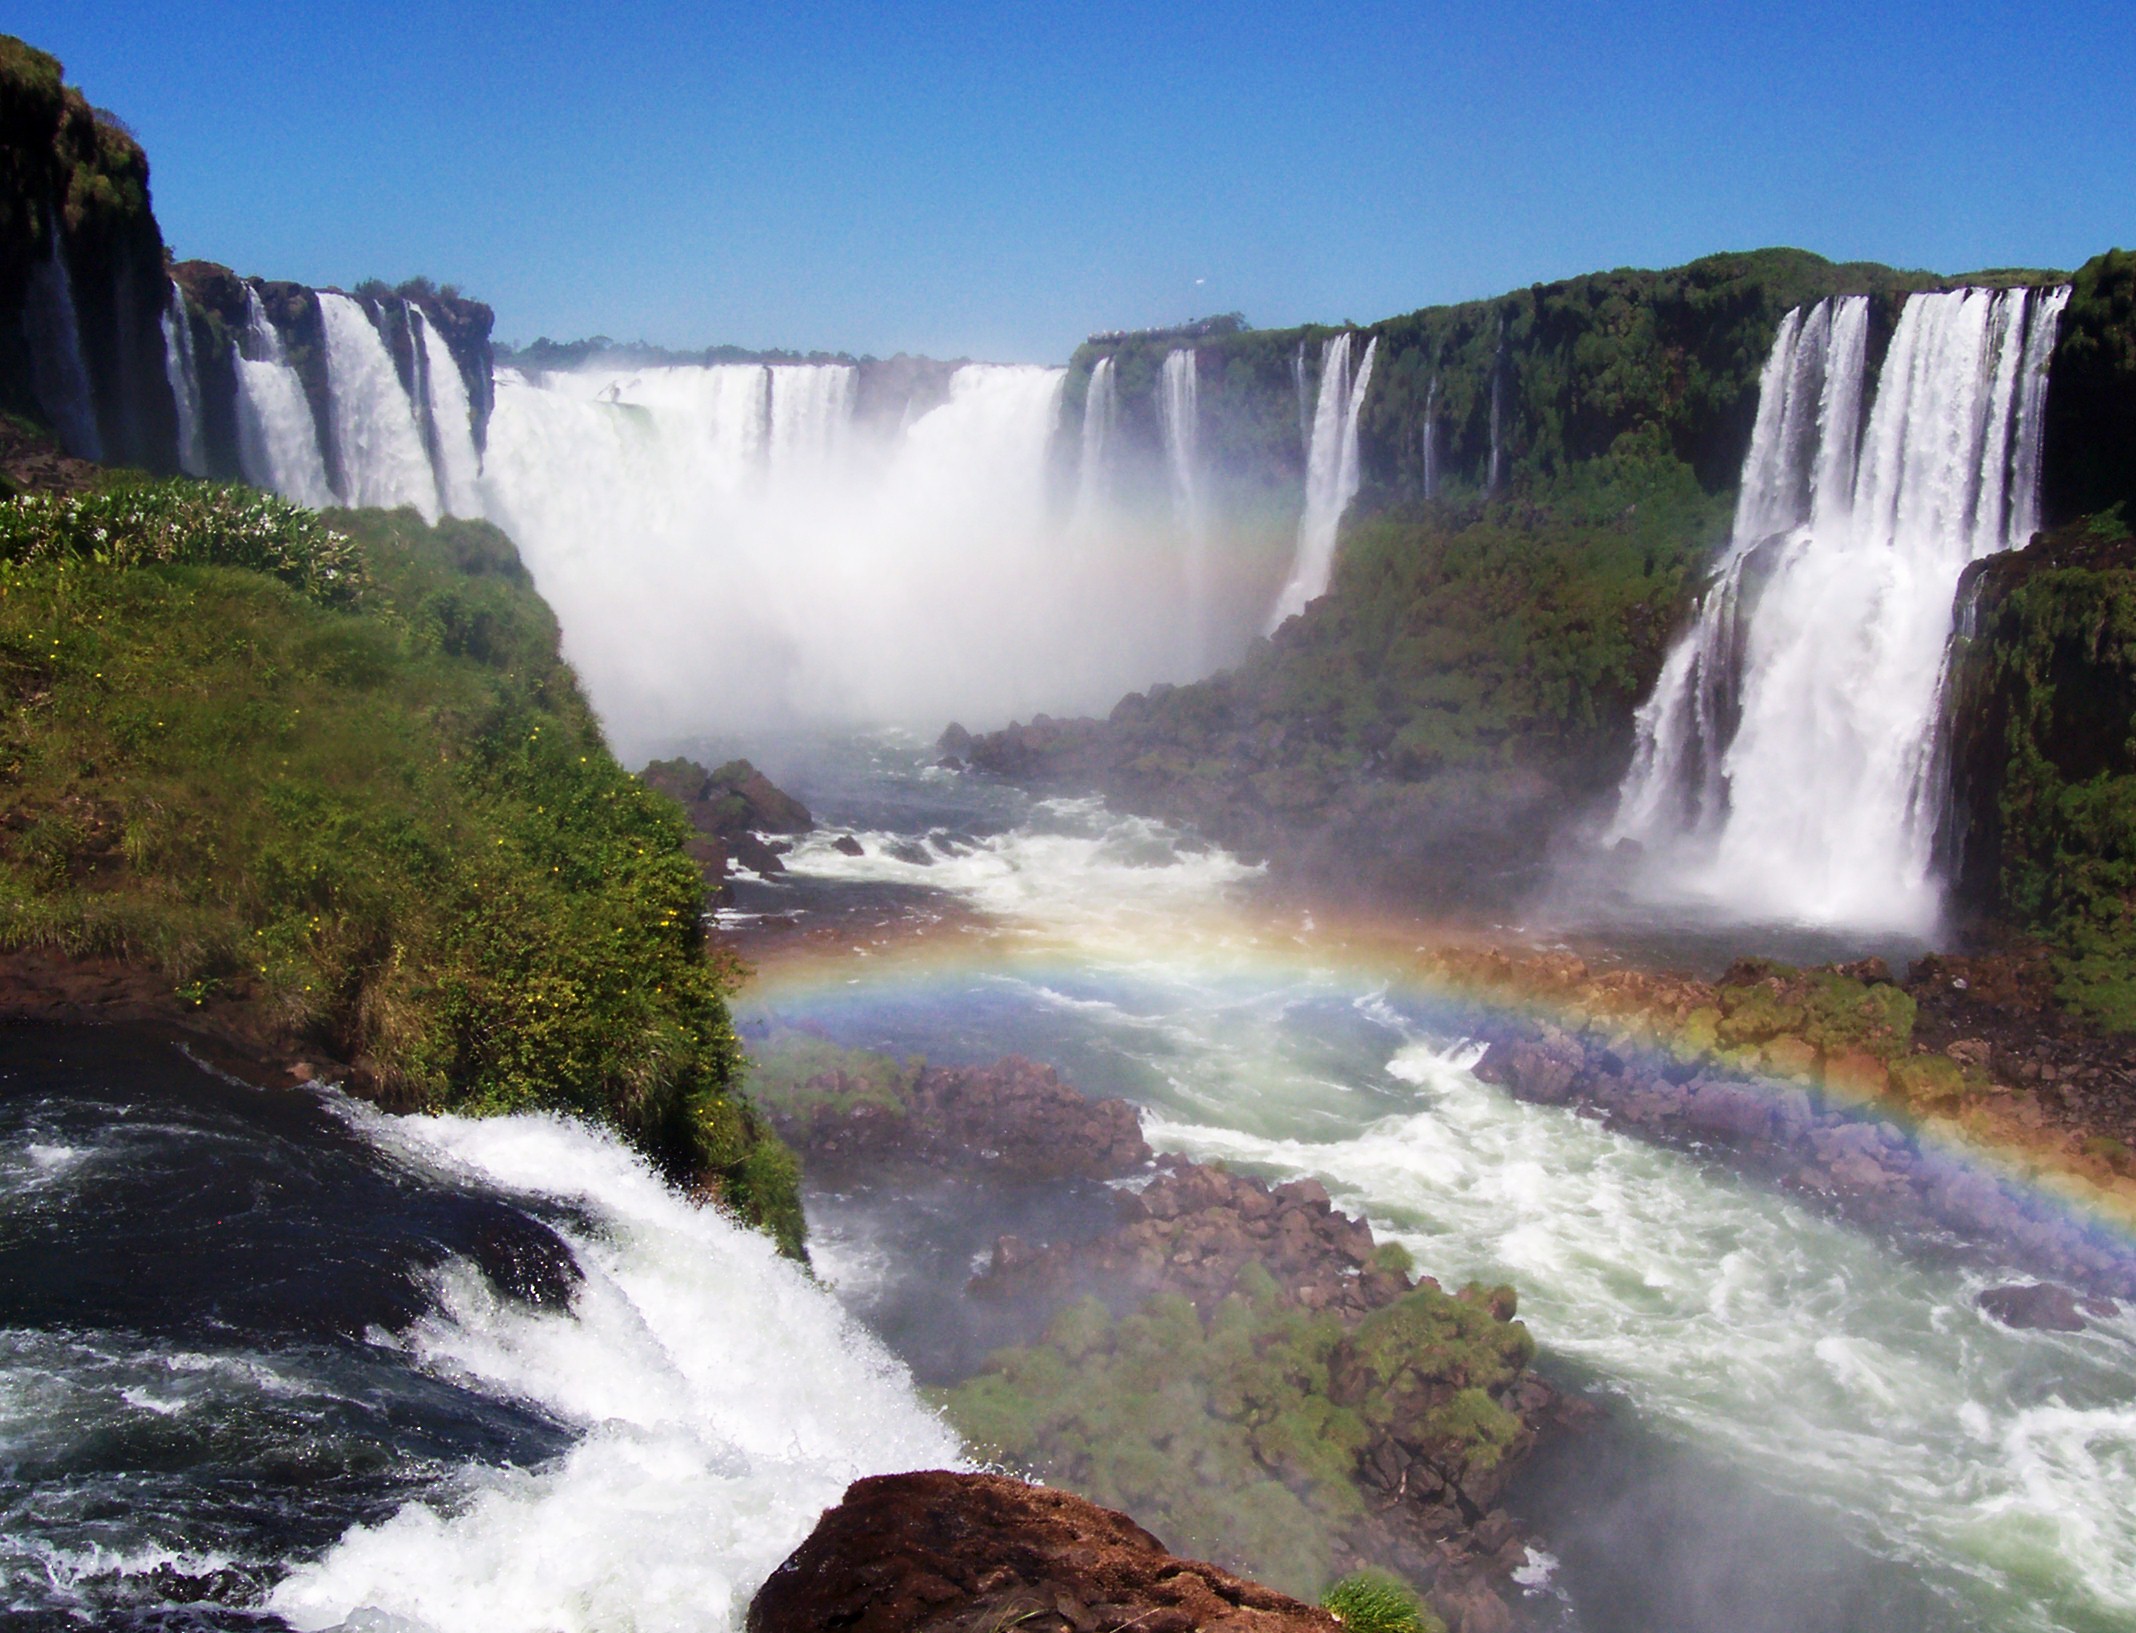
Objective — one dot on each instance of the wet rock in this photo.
(942, 1552)
(1013, 1119)
(955, 741)
(2041, 1306)
(847, 845)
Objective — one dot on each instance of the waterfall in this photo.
(58, 373)
(183, 372)
(450, 417)
(277, 438)
(1430, 437)
(1331, 474)
(376, 439)
(922, 572)
(1101, 410)
(811, 407)
(1785, 764)
(1496, 469)
(1179, 410)
(1305, 401)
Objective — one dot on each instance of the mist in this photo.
(732, 547)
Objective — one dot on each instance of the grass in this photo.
(338, 772)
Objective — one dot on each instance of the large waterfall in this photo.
(728, 544)
(747, 543)
(1331, 474)
(1785, 767)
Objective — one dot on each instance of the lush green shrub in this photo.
(194, 524)
(1375, 1602)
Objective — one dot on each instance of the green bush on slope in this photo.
(339, 772)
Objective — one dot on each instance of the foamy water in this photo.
(1806, 1357)
(722, 1401)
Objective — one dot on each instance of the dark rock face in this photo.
(2042, 1307)
(940, 1551)
(1012, 1120)
(72, 170)
(2042, 704)
(731, 808)
(2089, 461)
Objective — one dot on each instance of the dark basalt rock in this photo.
(2042, 1307)
(941, 1551)
(847, 845)
(732, 809)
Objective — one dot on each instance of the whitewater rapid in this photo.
(1976, 1476)
(272, 1358)
(721, 1402)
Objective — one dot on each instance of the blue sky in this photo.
(996, 181)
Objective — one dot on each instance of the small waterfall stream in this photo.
(57, 372)
(1101, 410)
(277, 437)
(1784, 762)
(1331, 474)
(182, 370)
(1179, 409)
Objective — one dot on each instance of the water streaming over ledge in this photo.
(277, 437)
(1785, 768)
(1331, 475)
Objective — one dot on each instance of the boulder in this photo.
(2041, 1306)
(942, 1552)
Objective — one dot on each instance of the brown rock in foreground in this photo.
(917, 1553)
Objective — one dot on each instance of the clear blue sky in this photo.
(997, 180)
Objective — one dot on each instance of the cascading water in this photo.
(1179, 410)
(1331, 474)
(277, 437)
(486, 1375)
(1101, 411)
(1784, 767)
(57, 372)
(377, 442)
(449, 416)
(183, 372)
(811, 413)
(1305, 400)
(1430, 439)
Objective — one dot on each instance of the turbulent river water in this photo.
(1810, 1427)
(275, 1360)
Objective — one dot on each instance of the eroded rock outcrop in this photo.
(733, 808)
(943, 1552)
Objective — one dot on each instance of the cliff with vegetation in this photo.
(82, 286)
(2043, 730)
(327, 785)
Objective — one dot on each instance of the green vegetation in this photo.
(1238, 1437)
(1516, 636)
(1375, 1602)
(2045, 707)
(337, 774)
(2090, 463)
